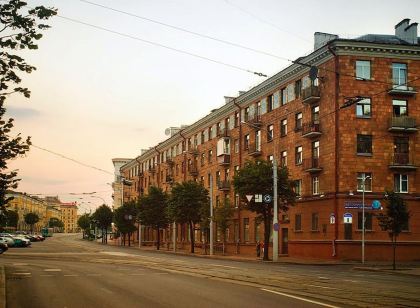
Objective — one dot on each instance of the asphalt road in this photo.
(65, 271)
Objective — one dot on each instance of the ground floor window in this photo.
(401, 183)
(368, 220)
(298, 222)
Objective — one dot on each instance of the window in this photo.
(399, 74)
(368, 220)
(315, 150)
(298, 188)
(298, 88)
(246, 142)
(217, 177)
(236, 119)
(298, 222)
(315, 114)
(298, 155)
(218, 128)
(363, 108)
(314, 224)
(210, 132)
(258, 109)
(246, 116)
(270, 158)
(315, 185)
(283, 93)
(283, 127)
(236, 170)
(246, 229)
(298, 121)
(236, 145)
(283, 159)
(202, 137)
(258, 140)
(399, 108)
(257, 229)
(236, 201)
(270, 103)
(270, 132)
(362, 70)
(203, 158)
(364, 144)
(367, 177)
(210, 156)
(401, 183)
(227, 123)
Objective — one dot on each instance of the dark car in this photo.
(3, 247)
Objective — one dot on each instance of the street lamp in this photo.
(363, 216)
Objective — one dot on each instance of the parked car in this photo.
(8, 240)
(21, 241)
(3, 247)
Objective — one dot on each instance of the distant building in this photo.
(116, 184)
(68, 213)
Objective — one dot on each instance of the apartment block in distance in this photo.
(344, 120)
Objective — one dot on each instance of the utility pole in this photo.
(275, 214)
(174, 236)
(211, 215)
(139, 235)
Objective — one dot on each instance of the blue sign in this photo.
(356, 205)
(376, 205)
(276, 226)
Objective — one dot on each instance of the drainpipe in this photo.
(337, 145)
(240, 165)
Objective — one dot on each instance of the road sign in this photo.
(267, 198)
(332, 218)
(348, 218)
(376, 204)
(258, 198)
(249, 197)
(276, 226)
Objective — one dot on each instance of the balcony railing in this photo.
(169, 161)
(254, 150)
(223, 160)
(193, 170)
(254, 121)
(223, 185)
(402, 90)
(311, 130)
(193, 151)
(402, 124)
(152, 169)
(223, 132)
(311, 94)
(312, 165)
(402, 161)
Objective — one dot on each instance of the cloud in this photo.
(43, 181)
(20, 112)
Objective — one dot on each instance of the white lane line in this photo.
(20, 273)
(349, 280)
(43, 275)
(323, 278)
(226, 266)
(52, 270)
(300, 298)
(70, 275)
(107, 291)
(317, 286)
(136, 274)
(20, 264)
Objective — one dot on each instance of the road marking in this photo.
(136, 274)
(349, 280)
(23, 274)
(317, 286)
(96, 275)
(323, 278)
(299, 298)
(161, 273)
(43, 275)
(20, 264)
(70, 275)
(116, 253)
(52, 270)
(107, 291)
(226, 266)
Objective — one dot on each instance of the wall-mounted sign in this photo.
(332, 218)
(376, 204)
(348, 218)
(356, 205)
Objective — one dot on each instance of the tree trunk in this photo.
(394, 244)
(267, 227)
(157, 239)
(129, 239)
(192, 236)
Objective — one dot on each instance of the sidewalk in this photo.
(2, 287)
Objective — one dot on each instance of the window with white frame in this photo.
(270, 132)
(283, 127)
(399, 74)
(298, 188)
(283, 159)
(315, 185)
(365, 177)
(401, 183)
(236, 145)
(246, 142)
(298, 155)
(363, 108)
(298, 121)
(362, 69)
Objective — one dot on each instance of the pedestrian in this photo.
(258, 249)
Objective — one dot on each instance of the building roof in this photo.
(383, 39)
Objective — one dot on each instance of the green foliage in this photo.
(395, 219)
(256, 177)
(189, 203)
(31, 219)
(222, 217)
(125, 217)
(84, 222)
(10, 219)
(103, 216)
(55, 222)
(20, 30)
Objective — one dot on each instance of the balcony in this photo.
(311, 95)
(402, 161)
(223, 133)
(311, 130)
(152, 169)
(223, 160)
(193, 170)
(254, 121)
(402, 90)
(311, 165)
(223, 185)
(169, 179)
(169, 162)
(193, 151)
(254, 150)
(402, 125)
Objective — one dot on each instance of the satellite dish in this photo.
(313, 73)
(167, 131)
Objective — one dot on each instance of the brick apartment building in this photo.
(295, 117)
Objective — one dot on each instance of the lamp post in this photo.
(363, 216)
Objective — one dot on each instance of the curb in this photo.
(380, 270)
(2, 287)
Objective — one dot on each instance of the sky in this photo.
(98, 95)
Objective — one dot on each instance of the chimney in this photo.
(241, 92)
(321, 39)
(407, 32)
(228, 99)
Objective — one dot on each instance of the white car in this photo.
(8, 240)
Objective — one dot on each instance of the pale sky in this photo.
(97, 95)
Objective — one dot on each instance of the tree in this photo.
(124, 219)
(395, 219)
(10, 219)
(222, 216)
(153, 211)
(31, 219)
(103, 217)
(256, 177)
(55, 223)
(84, 222)
(188, 205)
(19, 30)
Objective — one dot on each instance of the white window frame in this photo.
(315, 185)
(400, 182)
(360, 176)
(363, 69)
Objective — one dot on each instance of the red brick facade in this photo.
(338, 145)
